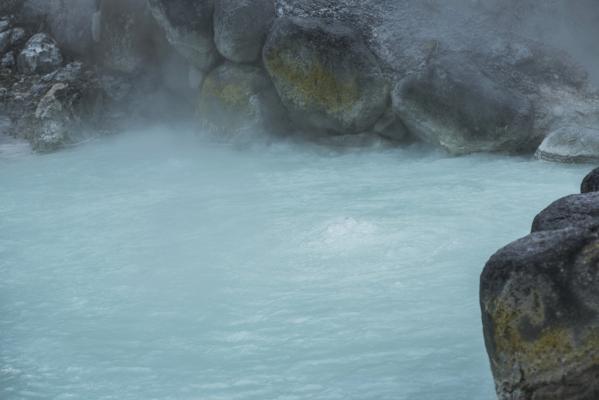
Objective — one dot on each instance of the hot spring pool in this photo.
(166, 266)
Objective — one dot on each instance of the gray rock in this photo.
(40, 55)
(4, 41)
(5, 24)
(574, 144)
(540, 313)
(18, 36)
(8, 60)
(590, 182)
(574, 210)
(70, 23)
(53, 121)
(8, 7)
(453, 105)
(240, 98)
(127, 35)
(240, 28)
(325, 74)
(188, 28)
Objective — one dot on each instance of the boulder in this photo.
(127, 35)
(70, 23)
(454, 105)
(574, 210)
(8, 7)
(540, 313)
(8, 60)
(40, 55)
(573, 144)
(4, 40)
(325, 74)
(188, 28)
(236, 98)
(55, 109)
(240, 28)
(591, 182)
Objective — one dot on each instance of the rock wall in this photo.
(454, 76)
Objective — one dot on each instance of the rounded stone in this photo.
(240, 28)
(326, 76)
(590, 182)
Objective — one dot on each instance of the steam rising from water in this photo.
(165, 265)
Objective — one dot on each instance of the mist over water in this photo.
(164, 265)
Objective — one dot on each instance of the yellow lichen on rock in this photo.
(313, 83)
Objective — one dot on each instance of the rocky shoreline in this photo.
(540, 305)
(286, 67)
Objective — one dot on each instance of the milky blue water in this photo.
(157, 265)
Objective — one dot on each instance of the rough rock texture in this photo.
(591, 182)
(452, 104)
(127, 35)
(8, 7)
(326, 76)
(408, 37)
(55, 109)
(571, 145)
(236, 98)
(188, 28)
(70, 23)
(40, 55)
(574, 210)
(540, 316)
(240, 28)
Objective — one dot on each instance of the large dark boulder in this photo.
(68, 21)
(574, 210)
(188, 28)
(540, 312)
(325, 74)
(590, 182)
(454, 105)
(240, 28)
(240, 98)
(128, 36)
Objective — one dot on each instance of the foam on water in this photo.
(163, 266)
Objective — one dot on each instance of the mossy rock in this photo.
(325, 74)
(539, 305)
(238, 98)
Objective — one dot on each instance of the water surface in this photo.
(159, 265)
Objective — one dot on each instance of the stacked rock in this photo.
(540, 305)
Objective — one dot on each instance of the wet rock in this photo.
(574, 210)
(189, 28)
(240, 28)
(453, 105)
(4, 24)
(127, 35)
(590, 182)
(8, 7)
(573, 144)
(325, 74)
(70, 23)
(8, 60)
(540, 311)
(4, 41)
(40, 55)
(18, 36)
(55, 109)
(391, 127)
(240, 98)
